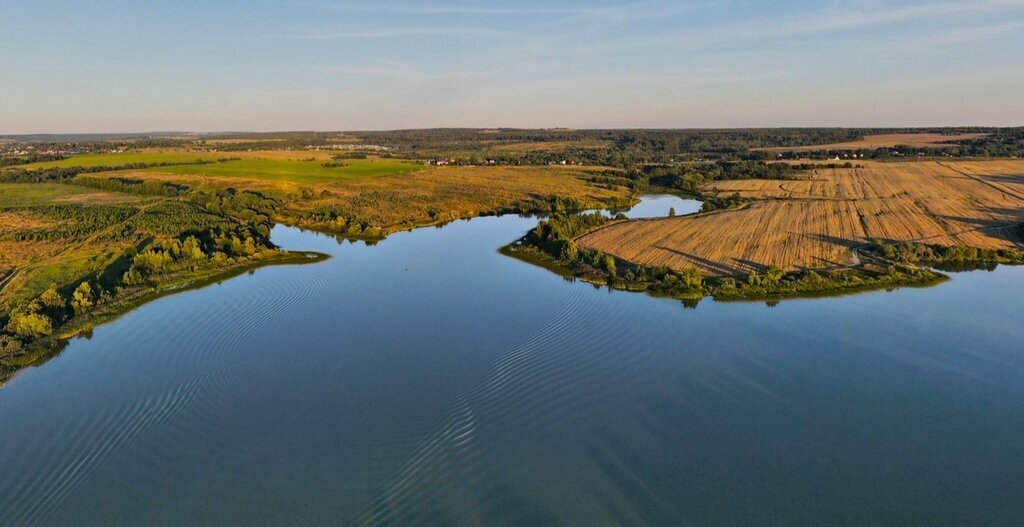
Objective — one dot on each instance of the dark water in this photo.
(430, 380)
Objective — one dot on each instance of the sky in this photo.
(266, 65)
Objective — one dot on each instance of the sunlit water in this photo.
(430, 380)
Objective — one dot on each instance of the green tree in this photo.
(191, 248)
(9, 345)
(82, 299)
(30, 325)
(51, 298)
(570, 252)
(608, 264)
(250, 246)
(692, 279)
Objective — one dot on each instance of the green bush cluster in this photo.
(940, 254)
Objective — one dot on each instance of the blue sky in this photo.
(332, 64)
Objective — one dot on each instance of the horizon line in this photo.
(511, 128)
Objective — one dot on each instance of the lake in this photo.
(428, 379)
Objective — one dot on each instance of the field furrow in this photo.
(817, 221)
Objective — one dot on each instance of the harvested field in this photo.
(883, 141)
(818, 221)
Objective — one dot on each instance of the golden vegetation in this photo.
(818, 222)
(431, 195)
(452, 192)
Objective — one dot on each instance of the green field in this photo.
(282, 170)
(127, 158)
(305, 171)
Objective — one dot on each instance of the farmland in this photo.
(818, 221)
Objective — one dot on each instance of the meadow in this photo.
(447, 193)
(285, 166)
(819, 221)
(385, 199)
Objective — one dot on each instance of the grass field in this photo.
(128, 158)
(294, 171)
(818, 221)
(883, 141)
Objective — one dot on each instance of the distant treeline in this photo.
(627, 148)
(631, 147)
(1000, 142)
(11, 161)
(689, 177)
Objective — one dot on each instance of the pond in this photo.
(428, 379)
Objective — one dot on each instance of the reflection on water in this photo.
(660, 206)
(430, 380)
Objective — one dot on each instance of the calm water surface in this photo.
(430, 380)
